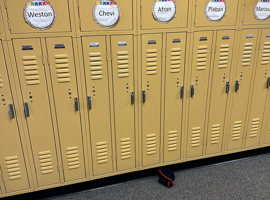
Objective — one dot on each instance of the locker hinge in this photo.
(1, 174)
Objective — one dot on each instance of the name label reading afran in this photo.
(106, 13)
(39, 14)
(262, 10)
(215, 10)
(164, 11)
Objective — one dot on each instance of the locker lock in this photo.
(26, 110)
(11, 111)
(268, 83)
(192, 91)
(76, 104)
(132, 98)
(89, 99)
(143, 96)
(237, 86)
(227, 87)
(182, 93)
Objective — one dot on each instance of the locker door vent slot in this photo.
(102, 152)
(96, 65)
(202, 57)
(224, 56)
(215, 135)
(73, 157)
(266, 54)
(152, 60)
(62, 68)
(45, 161)
(175, 60)
(254, 131)
(31, 72)
(247, 54)
(172, 140)
(13, 168)
(122, 63)
(195, 137)
(125, 148)
(1, 81)
(237, 130)
(151, 144)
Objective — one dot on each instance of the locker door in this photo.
(123, 83)
(174, 88)
(37, 109)
(11, 154)
(219, 90)
(60, 52)
(96, 74)
(241, 88)
(260, 90)
(151, 97)
(198, 92)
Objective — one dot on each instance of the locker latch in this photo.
(268, 83)
(26, 110)
(182, 93)
(76, 104)
(228, 87)
(89, 99)
(11, 111)
(143, 96)
(192, 91)
(237, 86)
(132, 98)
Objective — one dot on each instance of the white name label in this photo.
(262, 10)
(164, 11)
(39, 14)
(215, 11)
(106, 13)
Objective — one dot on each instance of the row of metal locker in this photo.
(135, 15)
(198, 95)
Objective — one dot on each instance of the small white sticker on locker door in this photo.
(39, 14)
(262, 10)
(164, 11)
(106, 13)
(215, 10)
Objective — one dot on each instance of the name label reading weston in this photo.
(164, 11)
(215, 10)
(106, 13)
(39, 14)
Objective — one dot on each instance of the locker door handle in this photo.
(26, 110)
(11, 111)
(237, 86)
(228, 87)
(268, 83)
(143, 96)
(182, 93)
(89, 99)
(132, 98)
(76, 104)
(192, 91)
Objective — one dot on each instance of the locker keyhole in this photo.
(148, 85)
(94, 91)
(3, 100)
(224, 78)
(241, 76)
(127, 87)
(31, 97)
(70, 93)
(178, 83)
(266, 74)
(197, 80)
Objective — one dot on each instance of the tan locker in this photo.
(249, 13)
(12, 161)
(87, 22)
(174, 93)
(219, 90)
(260, 90)
(17, 23)
(37, 109)
(148, 21)
(151, 97)
(266, 130)
(229, 11)
(124, 100)
(96, 74)
(198, 91)
(241, 89)
(62, 66)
